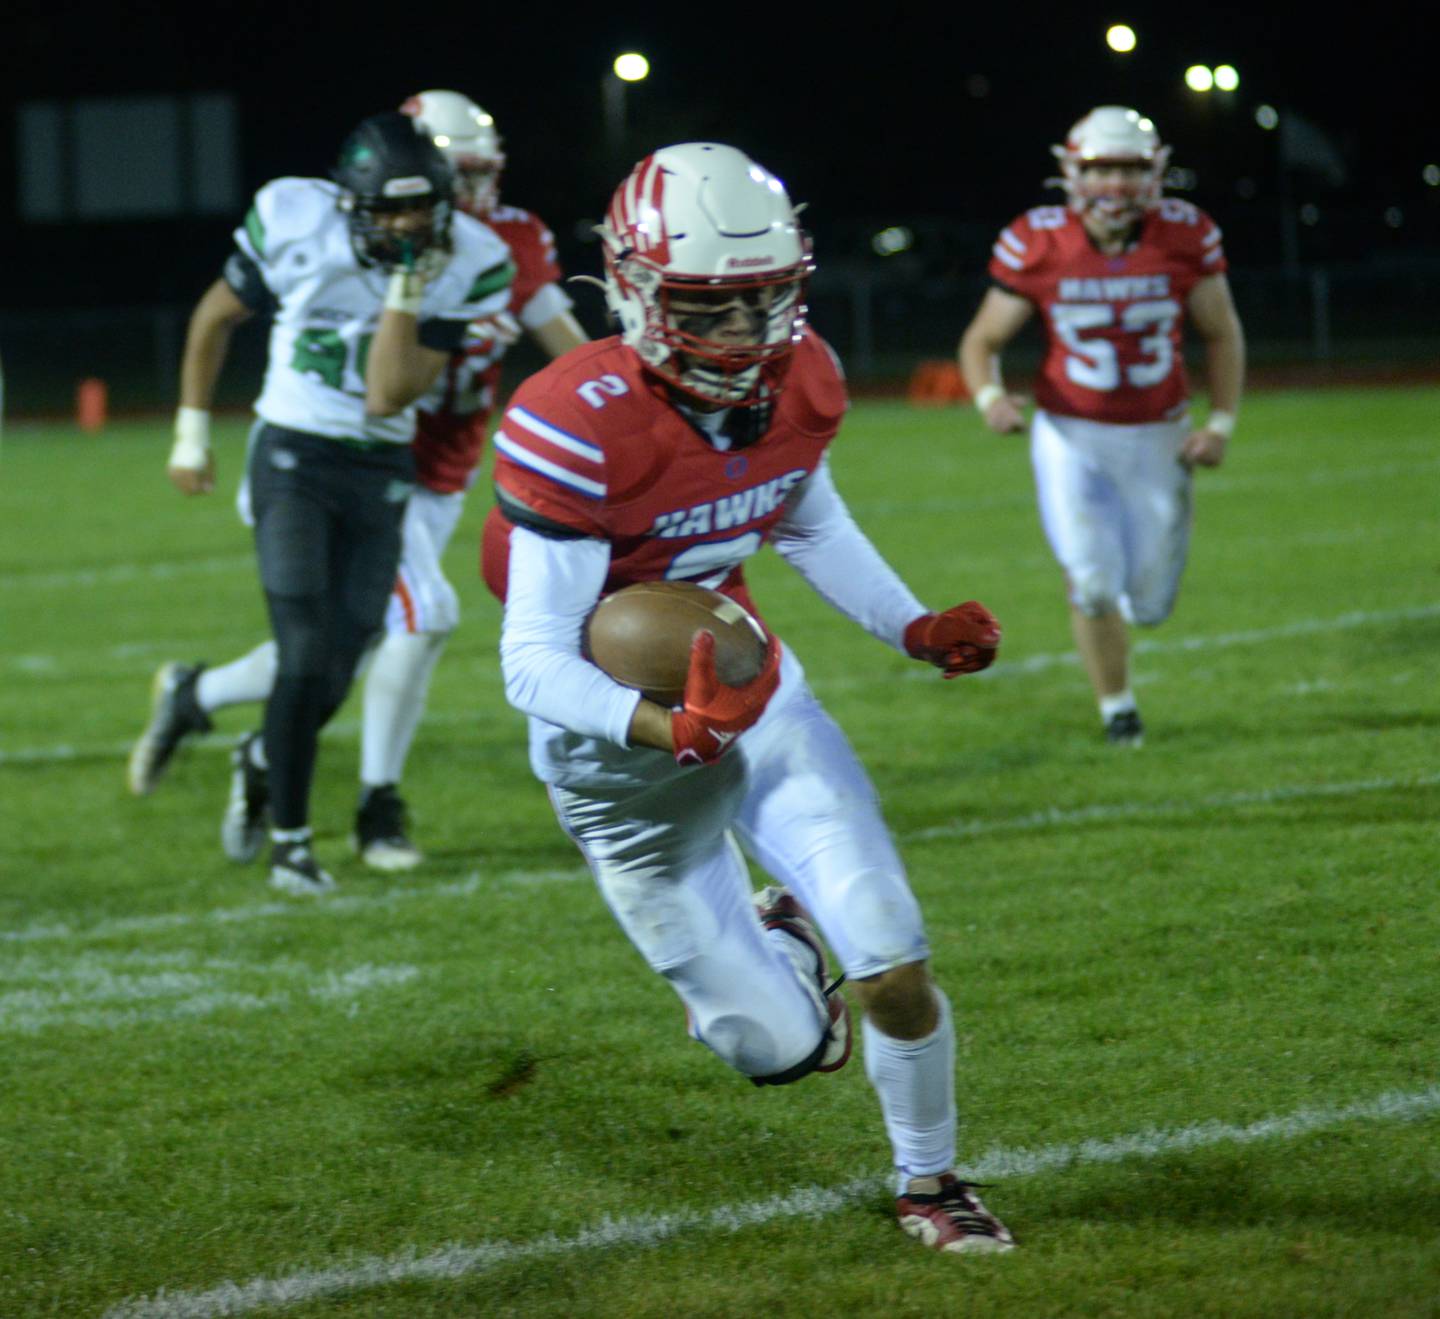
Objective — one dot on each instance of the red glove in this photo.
(961, 640)
(713, 714)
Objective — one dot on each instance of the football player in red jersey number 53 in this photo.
(676, 450)
(1114, 275)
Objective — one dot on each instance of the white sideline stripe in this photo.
(1142, 810)
(459, 1261)
(1003, 669)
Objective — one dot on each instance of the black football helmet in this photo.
(386, 167)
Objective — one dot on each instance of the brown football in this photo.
(641, 637)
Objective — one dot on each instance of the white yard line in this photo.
(116, 989)
(1103, 812)
(44, 931)
(116, 573)
(1032, 664)
(809, 1202)
(57, 930)
(1305, 627)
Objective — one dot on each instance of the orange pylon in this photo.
(937, 381)
(92, 404)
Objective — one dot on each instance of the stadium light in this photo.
(629, 68)
(632, 67)
(1198, 78)
(1227, 77)
(1120, 38)
(1267, 116)
(897, 238)
(1431, 175)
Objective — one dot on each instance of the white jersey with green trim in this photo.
(330, 306)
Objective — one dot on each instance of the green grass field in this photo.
(1196, 986)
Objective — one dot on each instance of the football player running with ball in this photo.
(675, 451)
(1114, 275)
(453, 418)
(371, 282)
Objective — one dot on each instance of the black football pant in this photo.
(328, 516)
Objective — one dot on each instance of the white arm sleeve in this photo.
(553, 585)
(819, 539)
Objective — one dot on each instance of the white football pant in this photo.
(1115, 505)
(666, 861)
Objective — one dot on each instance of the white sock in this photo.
(395, 689)
(915, 1080)
(244, 680)
(1120, 703)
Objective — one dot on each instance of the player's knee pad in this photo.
(1150, 613)
(750, 1046)
(801, 1069)
(1093, 596)
(302, 642)
(880, 920)
(1153, 603)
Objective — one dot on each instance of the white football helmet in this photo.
(1112, 135)
(467, 136)
(705, 269)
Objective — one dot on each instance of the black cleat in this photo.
(174, 715)
(380, 836)
(294, 870)
(1125, 729)
(242, 828)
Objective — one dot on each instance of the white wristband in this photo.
(1222, 423)
(404, 291)
(986, 395)
(191, 449)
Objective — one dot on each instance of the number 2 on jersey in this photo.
(1095, 364)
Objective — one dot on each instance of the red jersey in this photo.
(593, 446)
(1112, 323)
(455, 415)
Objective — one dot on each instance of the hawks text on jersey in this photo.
(455, 414)
(1113, 324)
(592, 446)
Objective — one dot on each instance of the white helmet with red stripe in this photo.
(467, 136)
(1112, 135)
(705, 269)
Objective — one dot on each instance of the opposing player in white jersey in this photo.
(676, 451)
(371, 282)
(452, 421)
(1114, 275)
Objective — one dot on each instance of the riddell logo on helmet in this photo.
(741, 262)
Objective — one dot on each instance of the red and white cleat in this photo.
(944, 1213)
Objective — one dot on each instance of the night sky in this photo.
(888, 121)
